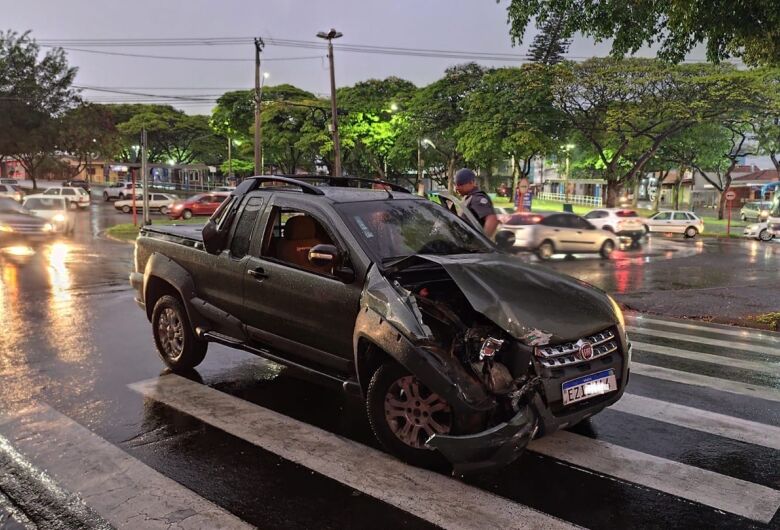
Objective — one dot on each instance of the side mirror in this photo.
(505, 240)
(213, 239)
(323, 255)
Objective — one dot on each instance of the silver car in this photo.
(559, 233)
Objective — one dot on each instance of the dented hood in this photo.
(525, 299)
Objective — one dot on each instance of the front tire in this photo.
(164, 210)
(125, 209)
(186, 214)
(176, 343)
(606, 249)
(545, 250)
(404, 413)
(764, 235)
(691, 232)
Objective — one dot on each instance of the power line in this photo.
(180, 58)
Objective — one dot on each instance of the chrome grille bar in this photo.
(603, 343)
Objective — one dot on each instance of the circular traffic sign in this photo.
(730, 195)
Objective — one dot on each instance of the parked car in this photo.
(559, 233)
(623, 222)
(455, 346)
(675, 222)
(19, 226)
(78, 183)
(56, 210)
(76, 197)
(120, 191)
(161, 202)
(201, 204)
(761, 231)
(755, 211)
(10, 192)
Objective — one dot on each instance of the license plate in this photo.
(588, 386)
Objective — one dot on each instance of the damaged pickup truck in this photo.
(459, 350)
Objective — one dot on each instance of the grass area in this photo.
(129, 231)
(770, 320)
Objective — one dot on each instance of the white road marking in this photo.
(732, 495)
(744, 333)
(764, 368)
(121, 489)
(433, 497)
(729, 344)
(689, 378)
(700, 420)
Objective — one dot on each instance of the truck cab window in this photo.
(242, 237)
(291, 234)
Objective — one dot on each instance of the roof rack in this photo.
(300, 181)
(256, 181)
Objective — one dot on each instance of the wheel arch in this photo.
(164, 276)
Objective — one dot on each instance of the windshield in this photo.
(11, 206)
(44, 204)
(395, 229)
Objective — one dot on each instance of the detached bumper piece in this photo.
(493, 448)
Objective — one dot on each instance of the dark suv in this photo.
(457, 348)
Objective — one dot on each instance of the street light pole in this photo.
(333, 34)
(259, 44)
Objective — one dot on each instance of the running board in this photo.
(350, 386)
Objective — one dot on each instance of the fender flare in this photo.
(164, 268)
(442, 374)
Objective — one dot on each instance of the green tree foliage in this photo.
(86, 133)
(629, 108)
(551, 43)
(510, 113)
(34, 94)
(749, 29)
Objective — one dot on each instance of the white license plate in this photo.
(588, 386)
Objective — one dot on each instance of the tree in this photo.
(551, 43)
(34, 95)
(510, 113)
(768, 119)
(749, 29)
(437, 109)
(628, 108)
(87, 132)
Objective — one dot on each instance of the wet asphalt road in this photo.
(695, 443)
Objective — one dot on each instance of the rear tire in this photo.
(545, 250)
(606, 249)
(691, 232)
(401, 413)
(164, 210)
(186, 214)
(176, 343)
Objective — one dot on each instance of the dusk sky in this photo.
(465, 26)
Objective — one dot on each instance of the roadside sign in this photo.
(731, 195)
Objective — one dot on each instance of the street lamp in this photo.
(329, 36)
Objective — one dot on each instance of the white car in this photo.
(760, 231)
(55, 209)
(161, 202)
(623, 222)
(675, 222)
(121, 191)
(76, 197)
(6, 190)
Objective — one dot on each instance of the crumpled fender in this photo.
(391, 321)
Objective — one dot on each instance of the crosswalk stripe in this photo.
(121, 489)
(433, 497)
(732, 345)
(725, 493)
(700, 420)
(764, 368)
(689, 378)
(746, 334)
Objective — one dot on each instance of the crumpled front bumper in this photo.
(490, 449)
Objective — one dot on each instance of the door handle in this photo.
(258, 273)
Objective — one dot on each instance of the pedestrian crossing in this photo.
(682, 418)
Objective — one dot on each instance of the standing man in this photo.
(476, 200)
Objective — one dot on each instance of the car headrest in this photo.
(300, 227)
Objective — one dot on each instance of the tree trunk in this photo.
(613, 193)
(635, 200)
(658, 187)
(451, 174)
(721, 203)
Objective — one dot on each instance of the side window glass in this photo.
(553, 220)
(291, 234)
(242, 237)
(680, 216)
(663, 216)
(593, 215)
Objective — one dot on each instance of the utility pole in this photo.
(259, 44)
(230, 156)
(145, 179)
(334, 126)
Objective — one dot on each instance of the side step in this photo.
(350, 386)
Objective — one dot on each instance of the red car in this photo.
(201, 204)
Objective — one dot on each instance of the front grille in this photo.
(603, 344)
(27, 228)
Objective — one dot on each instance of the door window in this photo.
(680, 216)
(291, 233)
(242, 237)
(555, 220)
(68, 192)
(596, 214)
(579, 223)
(52, 191)
(663, 216)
